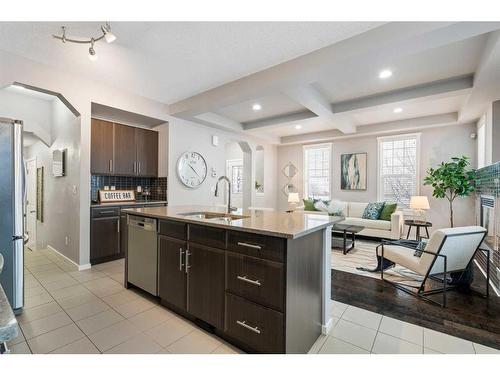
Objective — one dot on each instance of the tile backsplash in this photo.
(488, 180)
(156, 185)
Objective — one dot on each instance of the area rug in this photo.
(364, 255)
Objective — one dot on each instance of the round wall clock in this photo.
(192, 169)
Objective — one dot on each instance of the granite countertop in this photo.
(8, 323)
(273, 223)
(136, 203)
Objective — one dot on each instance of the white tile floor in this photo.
(70, 311)
(357, 331)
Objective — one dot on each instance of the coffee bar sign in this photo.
(116, 196)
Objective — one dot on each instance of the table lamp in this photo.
(420, 204)
(293, 199)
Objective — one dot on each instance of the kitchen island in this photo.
(258, 279)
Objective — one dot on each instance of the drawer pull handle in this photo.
(250, 245)
(107, 212)
(180, 259)
(250, 328)
(247, 280)
(187, 261)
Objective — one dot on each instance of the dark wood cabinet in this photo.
(205, 270)
(101, 147)
(105, 239)
(123, 150)
(124, 158)
(172, 278)
(147, 152)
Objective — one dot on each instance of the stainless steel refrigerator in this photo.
(11, 210)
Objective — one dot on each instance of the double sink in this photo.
(215, 216)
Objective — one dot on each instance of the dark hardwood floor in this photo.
(467, 315)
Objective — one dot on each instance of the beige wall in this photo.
(436, 145)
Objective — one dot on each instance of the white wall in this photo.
(60, 194)
(437, 144)
(186, 136)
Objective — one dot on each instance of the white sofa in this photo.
(353, 213)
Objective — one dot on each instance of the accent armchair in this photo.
(448, 251)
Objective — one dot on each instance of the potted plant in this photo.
(451, 180)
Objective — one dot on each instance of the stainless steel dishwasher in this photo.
(143, 253)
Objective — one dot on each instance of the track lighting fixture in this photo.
(107, 35)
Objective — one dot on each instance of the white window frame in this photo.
(229, 171)
(380, 188)
(306, 177)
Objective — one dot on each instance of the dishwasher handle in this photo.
(143, 223)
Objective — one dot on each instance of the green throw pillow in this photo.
(373, 210)
(309, 205)
(387, 211)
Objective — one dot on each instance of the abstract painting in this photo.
(353, 167)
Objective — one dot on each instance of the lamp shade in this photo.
(293, 198)
(419, 203)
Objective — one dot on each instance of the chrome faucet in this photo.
(229, 208)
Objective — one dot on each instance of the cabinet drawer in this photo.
(174, 229)
(258, 327)
(259, 280)
(105, 211)
(256, 245)
(208, 236)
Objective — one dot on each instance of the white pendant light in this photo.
(108, 35)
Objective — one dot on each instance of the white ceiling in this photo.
(168, 61)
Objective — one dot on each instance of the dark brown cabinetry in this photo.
(105, 235)
(123, 150)
(205, 270)
(124, 156)
(101, 147)
(262, 293)
(172, 280)
(147, 152)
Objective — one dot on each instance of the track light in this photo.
(92, 54)
(108, 35)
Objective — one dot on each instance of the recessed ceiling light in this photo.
(386, 73)
(256, 107)
(298, 127)
(398, 110)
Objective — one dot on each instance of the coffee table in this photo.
(345, 243)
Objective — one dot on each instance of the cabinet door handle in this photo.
(187, 261)
(118, 225)
(111, 165)
(247, 280)
(250, 328)
(139, 167)
(180, 259)
(135, 167)
(250, 245)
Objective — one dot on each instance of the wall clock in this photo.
(192, 169)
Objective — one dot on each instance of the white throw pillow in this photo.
(334, 208)
(337, 208)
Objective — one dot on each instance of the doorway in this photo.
(30, 224)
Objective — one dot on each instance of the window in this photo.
(235, 173)
(398, 162)
(317, 171)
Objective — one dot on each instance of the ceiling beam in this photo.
(408, 93)
(316, 102)
(286, 119)
(375, 129)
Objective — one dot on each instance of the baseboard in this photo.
(326, 328)
(80, 267)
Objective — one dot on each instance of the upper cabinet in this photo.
(147, 152)
(101, 147)
(123, 150)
